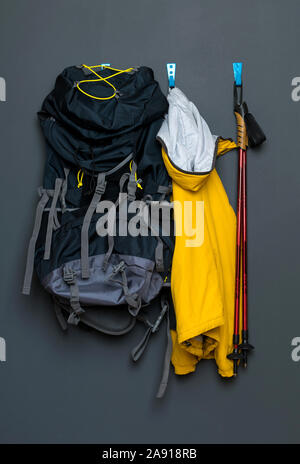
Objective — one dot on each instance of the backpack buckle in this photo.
(100, 188)
(119, 268)
(74, 317)
(164, 309)
(69, 276)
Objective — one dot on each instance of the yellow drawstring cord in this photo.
(136, 179)
(100, 78)
(80, 175)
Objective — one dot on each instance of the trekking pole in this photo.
(248, 133)
(244, 346)
(236, 356)
(255, 137)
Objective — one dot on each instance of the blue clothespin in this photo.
(237, 71)
(171, 70)
(104, 64)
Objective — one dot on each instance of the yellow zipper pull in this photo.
(80, 174)
(135, 176)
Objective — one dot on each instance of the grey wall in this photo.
(82, 387)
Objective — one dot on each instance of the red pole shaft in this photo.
(238, 248)
(244, 241)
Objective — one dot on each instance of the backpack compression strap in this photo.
(137, 352)
(32, 243)
(133, 183)
(168, 353)
(100, 189)
(134, 301)
(60, 189)
(70, 279)
(50, 225)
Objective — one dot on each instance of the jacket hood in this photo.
(189, 148)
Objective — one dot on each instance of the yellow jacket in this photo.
(202, 279)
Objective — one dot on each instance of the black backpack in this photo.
(101, 145)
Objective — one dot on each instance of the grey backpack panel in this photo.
(106, 288)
